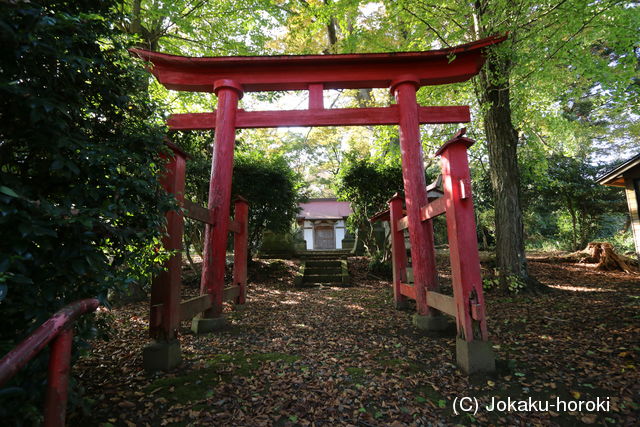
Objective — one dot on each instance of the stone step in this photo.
(323, 264)
(322, 278)
(332, 270)
(324, 254)
(326, 285)
(329, 272)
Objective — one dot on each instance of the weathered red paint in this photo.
(408, 290)
(433, 209)
(463, 244)
(58, 331)
(316, 96)
(404, 72)
(316, 116)
(420, 233)
(165, 288)
(351, 71)
(212, 281)
(240, 248)
(398, 249)
(55, 402)
(198, 213)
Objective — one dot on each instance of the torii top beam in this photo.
(297, 72)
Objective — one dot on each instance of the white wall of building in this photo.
(340, 232)
(308, 234)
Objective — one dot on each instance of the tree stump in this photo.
(603, 254)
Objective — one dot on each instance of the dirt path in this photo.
(344, 356)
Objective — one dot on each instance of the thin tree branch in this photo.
(428, 26)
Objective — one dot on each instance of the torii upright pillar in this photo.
(215, 248)
(420, 232)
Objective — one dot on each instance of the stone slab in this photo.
(161, 356)
(475, 356)
(204, 326)
(430, 323)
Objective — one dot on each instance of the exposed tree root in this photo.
(603, 254)
(599, 253)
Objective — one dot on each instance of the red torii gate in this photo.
(403, 72)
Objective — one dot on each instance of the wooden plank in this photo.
(403, 223)
(408, 290)
(197, 212)
(441, 302)
(194, 306)
(433, 209)
(235, 226)
(231, 293)
(321, 117)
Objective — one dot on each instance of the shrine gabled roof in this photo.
(324, 209)
(296, 72)
(615, 177)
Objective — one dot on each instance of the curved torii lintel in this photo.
(296, 72)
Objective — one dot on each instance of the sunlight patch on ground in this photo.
(579, 288)
(301, 325)
(138, 320)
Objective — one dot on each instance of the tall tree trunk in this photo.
(574, 227)
(502, 141)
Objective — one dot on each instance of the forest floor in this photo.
(345, 356)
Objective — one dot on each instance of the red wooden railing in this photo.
(467, 303)
(58, 331)
(167, 309)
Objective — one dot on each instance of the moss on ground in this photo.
(355, 373)
(407, 366)
(199, 383)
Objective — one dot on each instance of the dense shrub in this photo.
(368, 183)
(272, 188)
(80, 203)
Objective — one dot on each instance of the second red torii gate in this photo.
(229, 77)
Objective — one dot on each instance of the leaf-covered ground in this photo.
(344, 356)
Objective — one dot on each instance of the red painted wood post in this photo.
(240, 248)
(316, 100)
(474, 352)
(214, 257)
(420, 233)
(164, 318)
(165, 289)
(461, 231)
(55, 404)
(398, 250)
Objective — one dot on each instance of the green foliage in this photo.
(272, 189)
(511, 283)
(80, 206)
(368, 184)
(569, 192)
(379, 266)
